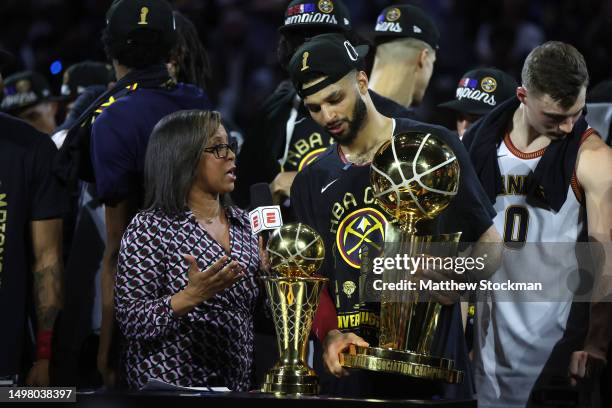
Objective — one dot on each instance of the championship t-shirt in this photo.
(335, 198)
(28, 192)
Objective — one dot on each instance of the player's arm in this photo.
(47, 273)
(594, 173)
(489, 246)
(117, 218)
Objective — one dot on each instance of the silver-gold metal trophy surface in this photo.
(414, 176)
(296, 252)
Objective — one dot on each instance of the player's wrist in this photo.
(43, 344)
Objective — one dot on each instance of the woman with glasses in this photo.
(186, 288)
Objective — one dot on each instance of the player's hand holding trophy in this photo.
(414, 176)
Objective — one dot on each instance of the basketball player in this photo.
(547, 173)
(284, 139)
(406, 42)
(333, 195)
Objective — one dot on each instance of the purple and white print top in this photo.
(212, 344)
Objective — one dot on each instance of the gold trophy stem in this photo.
(294, 302)
(408, 324)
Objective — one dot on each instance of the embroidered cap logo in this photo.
(305, 61)
(143, 16)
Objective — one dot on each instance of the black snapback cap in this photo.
(83, 74)
(480, 90)
(328, 55)
(405, 21)
(126, 17)
(328, 14)
(25, 89)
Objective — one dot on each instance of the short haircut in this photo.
(400, 49)
(173, 154)
(555, 69)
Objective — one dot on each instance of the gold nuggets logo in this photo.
(488, 84)
(23, 86)
(310, 157)
(393, 14)
(326, 6)
(348, 288)
(363, 226)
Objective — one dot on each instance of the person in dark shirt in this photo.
(406, 41)
(333, 193)
(138, 39)
(284, 138)
(31, 207)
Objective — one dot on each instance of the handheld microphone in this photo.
(264, 216)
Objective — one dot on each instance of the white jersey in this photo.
(513, 339)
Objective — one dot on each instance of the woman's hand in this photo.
(203, 285)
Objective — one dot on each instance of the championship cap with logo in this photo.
(83, 74)
(405, 21)
(127, 18)
(327, 55)
(480, 90)
(329, 14)
(25, 89)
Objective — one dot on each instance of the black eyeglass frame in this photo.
(232, 145)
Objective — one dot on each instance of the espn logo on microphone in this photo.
(265, 218)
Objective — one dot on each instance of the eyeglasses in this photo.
(221, 151)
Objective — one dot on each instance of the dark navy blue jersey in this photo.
(336, 199)
(28, 192)
(121, 132)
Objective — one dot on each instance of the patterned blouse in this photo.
(212, 344)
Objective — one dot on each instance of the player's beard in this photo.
(360, 112)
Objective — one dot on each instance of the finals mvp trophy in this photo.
(296, 252)
(414, 176)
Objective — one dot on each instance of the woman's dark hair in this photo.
(174, 151)
(142, 49)
(188, 55)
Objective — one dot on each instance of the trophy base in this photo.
(295, 382)
(401, 362)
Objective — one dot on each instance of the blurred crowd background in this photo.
(241, 38)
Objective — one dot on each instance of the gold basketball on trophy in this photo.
(295, 250)
(415, 175)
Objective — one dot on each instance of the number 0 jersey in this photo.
(514, 337)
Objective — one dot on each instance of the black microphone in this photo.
(265, 216)
(261, 195)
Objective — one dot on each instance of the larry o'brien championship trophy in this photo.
(296, 252)
(414, 176)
